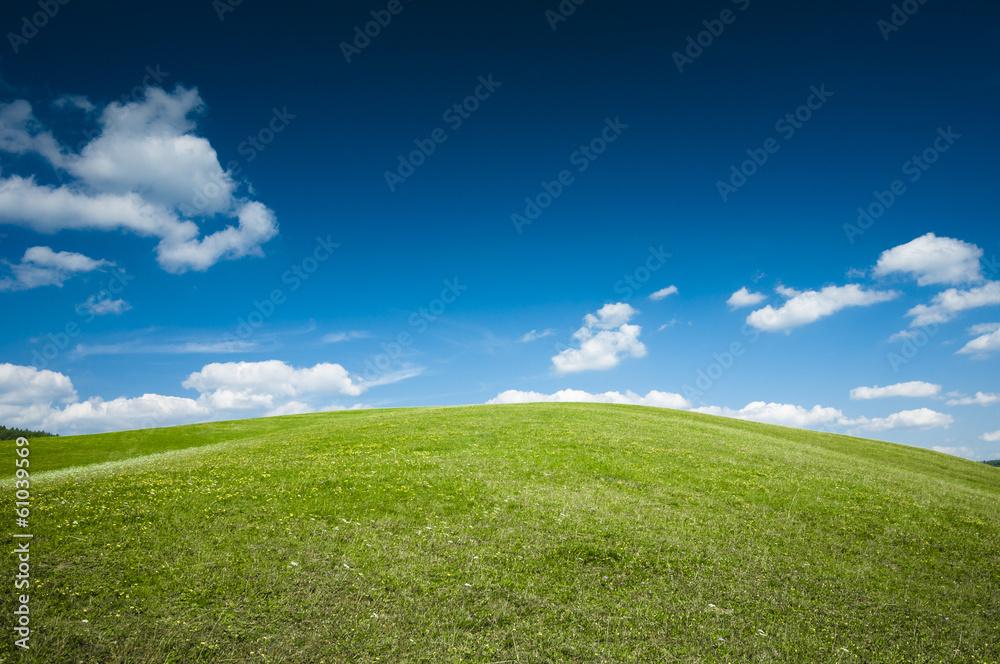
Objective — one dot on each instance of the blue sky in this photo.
(216, 211)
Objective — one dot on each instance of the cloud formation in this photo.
(978, 399)
(744, 298)
(783, 414)
(945, 306)
(921, 418)
(662, 293)
(987, 342)
(145, 173)
(652, 398)
(913, 388)
(47, 400)
(933, 260)
(41, 266)
(534, 334)
(804, 307)
(605, 339)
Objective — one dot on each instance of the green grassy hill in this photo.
(529, 533)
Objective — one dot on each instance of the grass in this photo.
(529, 533)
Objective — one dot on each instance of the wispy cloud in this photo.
(534, 334)
(41, 266)
(978, 399)
(339, 337)
(662, 293)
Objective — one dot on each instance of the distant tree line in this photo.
(995, 462)
(11, 434)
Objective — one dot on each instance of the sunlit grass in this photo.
(562, 533)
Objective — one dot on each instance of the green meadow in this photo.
(522, 533)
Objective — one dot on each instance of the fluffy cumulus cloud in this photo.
(653, 398)
(991, 437)
(273, 378)
(914, 388)
(804, 307)
(921, 418)
(978, 399)
(745, 298)
(987, 342)
(933, 260)
(46, 400)
(146, 172)
(605, 339)
(663, 292)
(785, 414)
(41, 266)
(945, 306)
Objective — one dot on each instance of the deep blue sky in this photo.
(343, 125)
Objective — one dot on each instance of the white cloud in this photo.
(273, 377)
(40, 266)
(805, 307)
(914, 388)
(338, 337)
(604, 349)
(27, 386)
(785, 414)
(991, 437)
(611, 316)
(102, 304)
(979, 399)
(744, 298)
(933, 260)
(47, 400)
(983, 328)
(76, 101)
(534, 334)
(147, 173)
(948, 304)
(982, 345)
(21, 133)
(147, 411)
(964, 452)
(663, 292)
(652, 398)
(923, 418)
